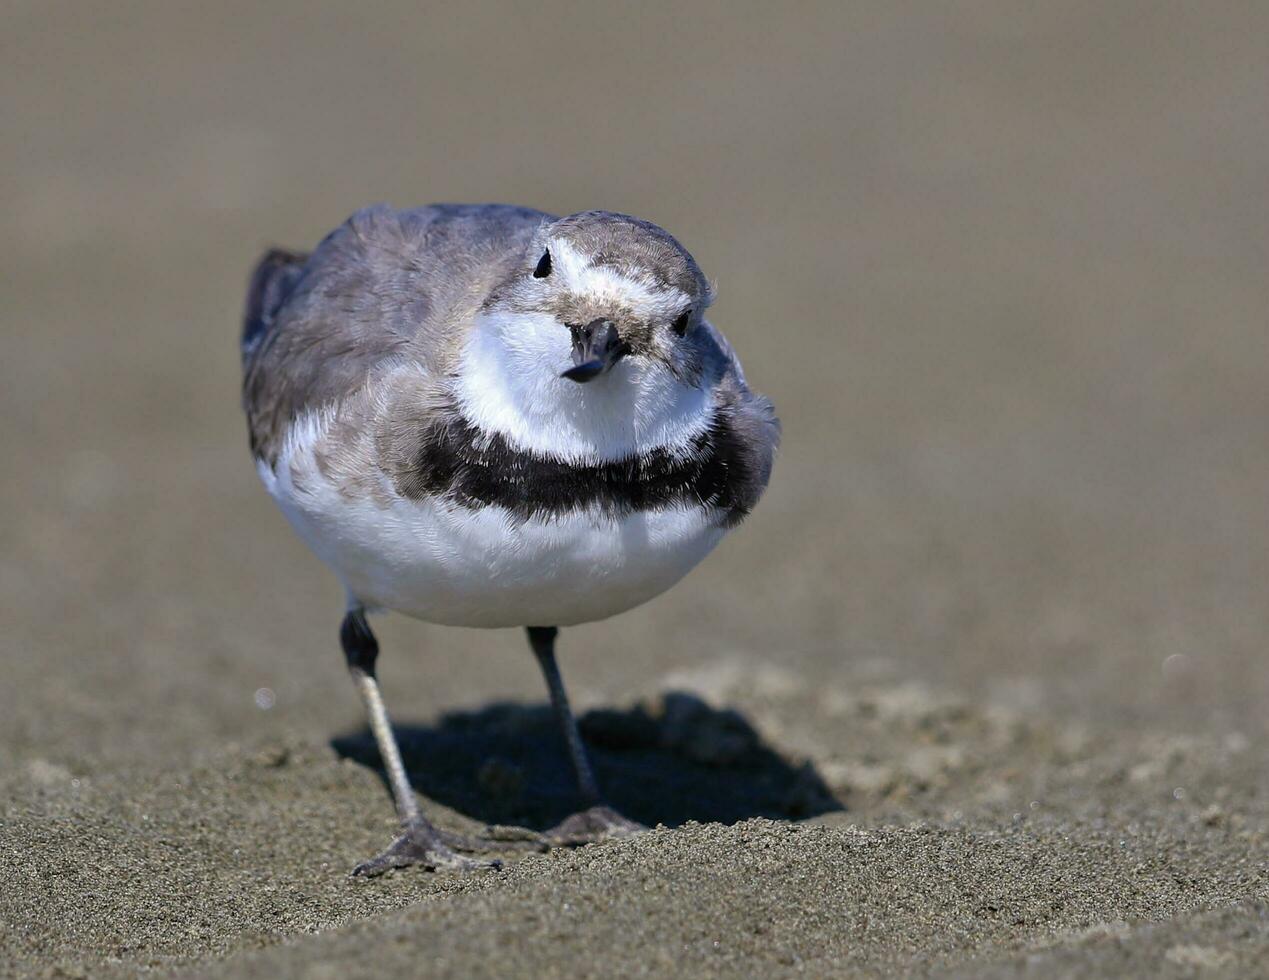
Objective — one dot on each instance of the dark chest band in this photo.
(458, 462)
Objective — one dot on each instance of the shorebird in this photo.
(488, 416)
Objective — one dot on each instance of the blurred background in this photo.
(1001, 268)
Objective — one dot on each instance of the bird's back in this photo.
(384, 284)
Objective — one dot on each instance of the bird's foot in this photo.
(596, 824)
(422, 844)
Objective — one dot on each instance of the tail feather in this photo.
(272, 282)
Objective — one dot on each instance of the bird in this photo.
(484, 415)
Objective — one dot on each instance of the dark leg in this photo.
(420, 842)
(597, 821)
(542, 639)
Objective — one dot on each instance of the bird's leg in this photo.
(542, 639)
(597, 820)
(420, 843)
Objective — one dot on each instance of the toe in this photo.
(494, 838)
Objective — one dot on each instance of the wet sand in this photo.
(981, 688)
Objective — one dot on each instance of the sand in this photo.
(980, 690)
(1146, 854)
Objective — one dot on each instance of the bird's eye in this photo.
(543, 267)
(681, 321)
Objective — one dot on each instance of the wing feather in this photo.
(384, 284)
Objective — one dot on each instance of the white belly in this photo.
(448, 564)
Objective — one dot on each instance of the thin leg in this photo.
(362, 650)
(420, 842)
(542, 639)
(597, 821)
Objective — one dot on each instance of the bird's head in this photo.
(596, 288)
(600, 317)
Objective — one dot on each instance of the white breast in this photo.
(448, 564)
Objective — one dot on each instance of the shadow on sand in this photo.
(677, 761)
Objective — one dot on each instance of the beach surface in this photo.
(981, 689)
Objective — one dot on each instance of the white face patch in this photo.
(509, 383)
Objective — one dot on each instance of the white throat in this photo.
(509, 383)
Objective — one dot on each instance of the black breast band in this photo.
(459, 462)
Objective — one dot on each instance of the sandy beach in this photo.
(981, 689)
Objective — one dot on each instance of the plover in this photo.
(488, 416)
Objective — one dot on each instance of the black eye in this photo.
(681, 321)
(544, 266)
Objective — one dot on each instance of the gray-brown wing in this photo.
(747, 422)
(384, 284)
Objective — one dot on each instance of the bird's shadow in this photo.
(677, 761)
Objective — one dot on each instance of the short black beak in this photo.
(596, 348)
